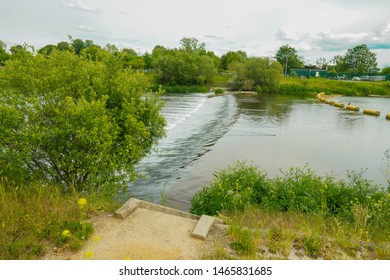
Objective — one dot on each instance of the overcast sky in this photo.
(316, 28)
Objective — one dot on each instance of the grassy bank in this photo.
(36, 217)
(312, 86)
(318, 217)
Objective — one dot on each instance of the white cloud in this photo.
(84, 28)
(68, 4)
(386, 30)
(288, 32)
(303, 46)
(82, 6)
(210, 36)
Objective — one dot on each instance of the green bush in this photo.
(219, 91)
(233, 189)
(298, 189)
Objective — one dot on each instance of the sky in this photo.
(315, 28)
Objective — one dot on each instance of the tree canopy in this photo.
(256, 73)
(361, 60)
(80, 123)
(289, 58)
(188, 65)
(232, 56)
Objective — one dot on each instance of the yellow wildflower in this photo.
(66, 233)
(81, 202)
(88, 254)
(96, 238)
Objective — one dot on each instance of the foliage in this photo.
(276, 235)
(289, 58)
(260, 74)
(311, 87)
(189, 65)
(358, 60)
(180, 89)
(386, 71)
(3, 53)
(75, 122)
(297, 189)
(232, 56)
(361, 60)
(218, 91)
(33, 215)
(233, 189)
(243, 242)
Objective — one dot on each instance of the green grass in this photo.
(35, 216)
(312, 86)
(259, 233)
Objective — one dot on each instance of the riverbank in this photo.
(150, 234)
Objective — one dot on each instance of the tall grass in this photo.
(312, 86)
(35, 215)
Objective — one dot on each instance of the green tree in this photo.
(78, 45)
(257, 73)
(93, 52)
(3, 53)
(289, 58)
(65, 46)
(361, 60)
(148, 60)
(17, 50)
(76, 122)
(46, 50)
(386, 70)
(192, 45)
(339, 65)
(131, 59)
(232, 56)
(189, 65)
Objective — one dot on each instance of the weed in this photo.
(313, 246)
(35, 215)
(243, 242)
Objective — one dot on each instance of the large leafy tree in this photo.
(232, 56)
(73, 121)
(256, 73)
(361, 60)
(289, 58)
(188, 65)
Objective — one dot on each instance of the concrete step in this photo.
(203, 227)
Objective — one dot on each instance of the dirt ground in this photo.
(144, 235)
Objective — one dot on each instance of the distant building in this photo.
(309, 73)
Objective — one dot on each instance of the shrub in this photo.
(298, 189)
(219, 91)
(232, 189)
(313, 246)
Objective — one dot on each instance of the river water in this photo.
(273, 132)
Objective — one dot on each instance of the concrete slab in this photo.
(132, 204)
(128, 208)
(203, 227)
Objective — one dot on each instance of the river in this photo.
(273, 132)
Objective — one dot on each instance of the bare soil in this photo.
(144, 235)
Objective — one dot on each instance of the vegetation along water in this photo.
(83, 127)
